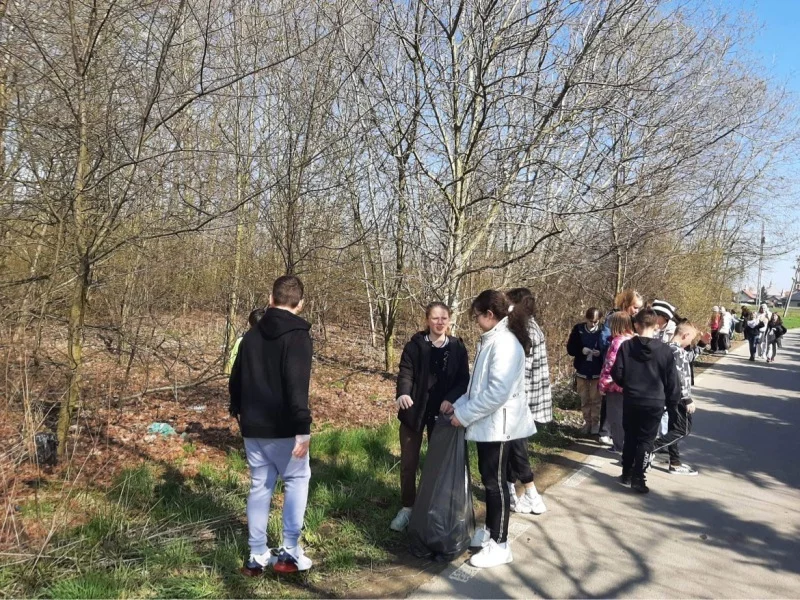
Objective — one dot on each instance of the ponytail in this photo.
(523, 300)
(497, 302)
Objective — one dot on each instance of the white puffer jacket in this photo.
(494, 409)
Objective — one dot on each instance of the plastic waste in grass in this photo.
(164, 429)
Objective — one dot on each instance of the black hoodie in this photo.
(645, 370)
(270, 378)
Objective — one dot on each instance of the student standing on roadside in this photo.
(645, 370)
(630, 302)
(714, 324)
(584, 345)
(680, 415)
(621, 331)
(269, 398)
(666, 314)
(495, 412)
(434, 369)
(538, 394)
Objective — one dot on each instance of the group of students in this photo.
(763, 331)
(634, 377)
(499, 404)
(633, 374)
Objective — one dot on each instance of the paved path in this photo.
(732, 532)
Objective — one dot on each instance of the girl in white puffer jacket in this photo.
(495, 411)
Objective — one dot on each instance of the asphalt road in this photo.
(731, 532)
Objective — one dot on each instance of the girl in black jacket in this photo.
(775, 331)
(434, 369)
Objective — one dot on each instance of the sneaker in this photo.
(624, 479)
(492, 555)
(531, 503)
(682, 470)
(291, 560)
(604, 439)
(726, 352)
(659, 457)
(481, 538)
(400, 522)
(254, 566)
(639, 484)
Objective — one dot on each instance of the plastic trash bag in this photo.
(443, 521)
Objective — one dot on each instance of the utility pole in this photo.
(795, 281)
(760, 266)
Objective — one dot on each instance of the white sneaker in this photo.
(492, 555)
(481, 538)
(531, 503)
(604, 439)
(400, 522)
(291, 560)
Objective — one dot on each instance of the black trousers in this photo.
(605, 430)
(519, 465)
(410, 445)
(641, 427)
(680, 426)
(714, 340)
(493, 467)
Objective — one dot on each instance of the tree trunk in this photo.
(233, 296)
(77, 314)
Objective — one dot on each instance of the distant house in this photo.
(745, 297)
(794, 302)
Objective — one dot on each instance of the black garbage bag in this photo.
(443, 521)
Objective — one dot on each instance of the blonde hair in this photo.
(627, 298)
(685, 327)
(620, 323)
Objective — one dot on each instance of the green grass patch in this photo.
(158, 532)
(792, 320)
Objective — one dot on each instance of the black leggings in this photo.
(519, 465)
(493, 466)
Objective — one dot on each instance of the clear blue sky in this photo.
(777, 45)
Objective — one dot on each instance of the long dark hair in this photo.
(497, 302)
(523, 300)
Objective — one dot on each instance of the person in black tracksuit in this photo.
(645, 370)
(434, 373)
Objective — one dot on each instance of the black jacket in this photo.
(270, 378)
(580, 338)
(645, 370)
(413, 379)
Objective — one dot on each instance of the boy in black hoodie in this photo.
(645, 370)
(269, 398)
